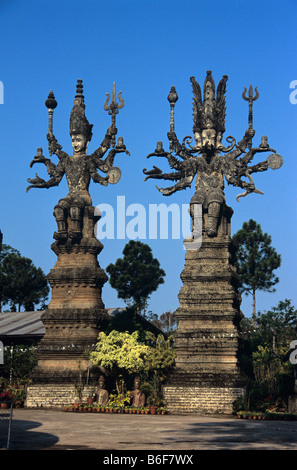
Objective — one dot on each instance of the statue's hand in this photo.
(53, 143)
(36, 182)
(171, 136)
(112, 130)
(249, 133)
(38, 159)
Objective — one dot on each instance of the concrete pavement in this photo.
(42, 429)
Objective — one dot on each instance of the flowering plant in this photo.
(5, 395)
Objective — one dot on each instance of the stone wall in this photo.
(55, 395)
(201, 400)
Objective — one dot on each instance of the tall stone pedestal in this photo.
(207, 378)
(72, 321)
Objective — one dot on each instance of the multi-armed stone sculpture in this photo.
(76, 312)
(207, 375)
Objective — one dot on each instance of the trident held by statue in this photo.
(113, 108)
(250, 98)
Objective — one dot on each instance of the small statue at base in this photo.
(138, 397)
(101, 395)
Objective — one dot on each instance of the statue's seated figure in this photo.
(138, 397)
(101, 395)
(79, 169)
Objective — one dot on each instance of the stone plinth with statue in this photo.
(76, 312)
(207, 376)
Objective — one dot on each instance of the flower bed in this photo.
(266, 416)
(95, 408)
(12, 395)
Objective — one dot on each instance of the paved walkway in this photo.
(34, 429)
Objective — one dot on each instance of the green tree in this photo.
(265, 353)
(275, 326)
(121, 354)
(168, 321)
(136, 275)
(159, 361)
(256, 260)
(22, 283)
(19, 362)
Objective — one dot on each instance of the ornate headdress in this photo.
(211, 112)
(78, 121)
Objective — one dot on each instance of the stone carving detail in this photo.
(207, 158)
(76, 312)
(79, 168)
(207, 376)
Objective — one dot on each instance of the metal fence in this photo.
(6, 412)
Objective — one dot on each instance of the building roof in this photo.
(21, 324)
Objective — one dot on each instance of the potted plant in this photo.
(19, 398)
(90, 399)
(153, 402)
(162, 410)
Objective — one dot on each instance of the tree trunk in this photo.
(254, 303)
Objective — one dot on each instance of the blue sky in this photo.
(145, 47)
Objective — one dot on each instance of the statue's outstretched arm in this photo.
(94, 173)
(99, 179)
(54, 147)
(106, 143)
(177, 147)
(242, 144)
(39, 158)
(107, 163)
(38, 182)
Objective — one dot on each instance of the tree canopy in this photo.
(124, 354)
(120, 353)
(256, 260)
(21, 283)
(136, 275)
(265, 356)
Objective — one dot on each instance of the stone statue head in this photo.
(79, 125)
(79, 143)
(101, 381)
(137, 382)
(209, 113)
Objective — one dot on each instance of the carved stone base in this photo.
(207, 376)
(62, 353)
(76, 312)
